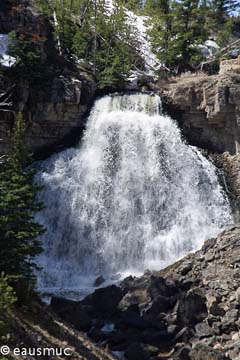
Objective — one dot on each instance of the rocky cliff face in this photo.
(188, 311)
(54, 115)
(55, 111)
(207, 109)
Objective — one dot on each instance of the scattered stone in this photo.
(185, 268)
(237, 295)
(183, 335)
(214, 308)
(209, 244)
(181, 352)
(152, 350)
(229, 321)
(203, 330)
(167, 315)
(204, 352)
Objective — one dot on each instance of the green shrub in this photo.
(7, 299)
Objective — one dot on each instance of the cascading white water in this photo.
(133, 196)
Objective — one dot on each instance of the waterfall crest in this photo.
(133, 196)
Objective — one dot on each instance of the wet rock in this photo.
(99, 281)
(137, 351)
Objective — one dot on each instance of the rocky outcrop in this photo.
(54, 115)
(21, 16)
(53, 106)
(229, 170)
(207, 109)
(188, 311)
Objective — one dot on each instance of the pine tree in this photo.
(220, 24)
(18, 205)
(107, 40)
(160, 24)
(177, 32)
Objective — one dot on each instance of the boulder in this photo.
(73, 312)
(229, 321)
(99, 281)
(192, 307)
(105, 300)
(203, 330)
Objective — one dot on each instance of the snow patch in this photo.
(5, 59)
(139, 22)
(209, 48)
(150, 59)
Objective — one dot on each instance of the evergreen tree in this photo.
(176, 33)
(220, 21)
(18, 204)
(7, 299)
(160, 24)
(107, 40)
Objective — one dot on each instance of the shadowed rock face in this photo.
(208, 110)
(54, 112)
(189, 310)
(54, 115)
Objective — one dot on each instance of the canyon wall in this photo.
(207, 109)
(53, 107)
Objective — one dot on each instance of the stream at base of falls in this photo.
(132, 196)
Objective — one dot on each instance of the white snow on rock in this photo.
(5, 59)
(209, 48)
(139, 22)
(145, 47)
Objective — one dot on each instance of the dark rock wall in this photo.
(54, 111)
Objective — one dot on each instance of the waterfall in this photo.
(132, 196)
